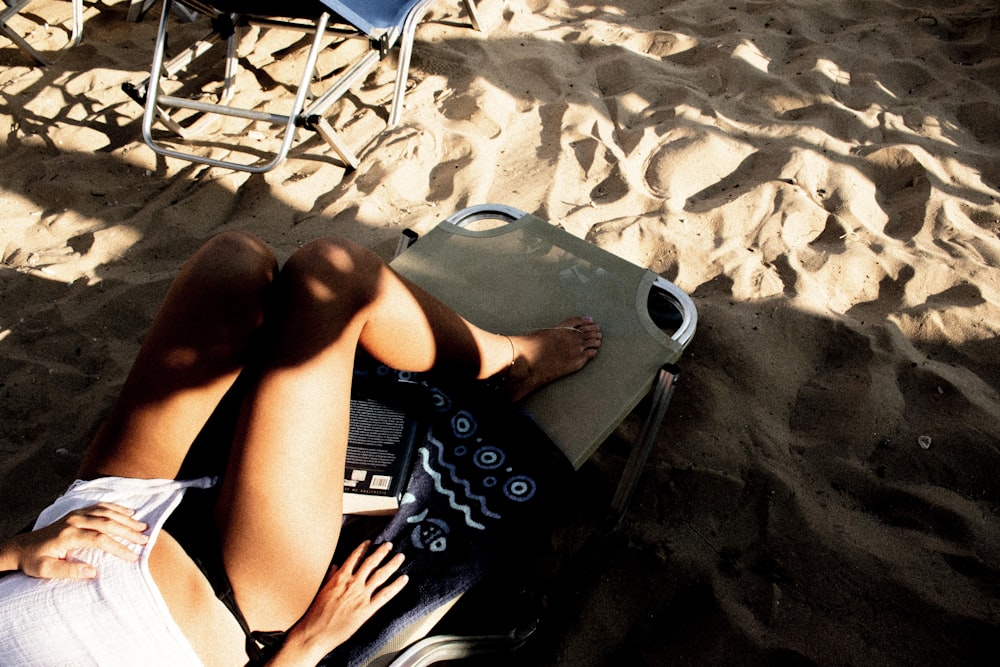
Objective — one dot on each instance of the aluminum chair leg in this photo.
(180, 62)
(663, 390)
(330, 136)
(406, 53)
(470, 9)
(15, 6)
(155, 102)
(77, 23)
(137, 10)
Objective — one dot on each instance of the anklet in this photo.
(498, 380)
(513, 353)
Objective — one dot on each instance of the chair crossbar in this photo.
(208, 107)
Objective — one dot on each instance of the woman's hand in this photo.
(43, 553)
(348, 598)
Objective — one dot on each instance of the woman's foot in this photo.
(545, 355)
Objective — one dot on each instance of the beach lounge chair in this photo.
(381, 24)
(511, 272)
(523, 272)
(13, 7)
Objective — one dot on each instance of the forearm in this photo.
(297, 651)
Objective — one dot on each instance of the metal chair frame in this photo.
(302, 115)
(15, 6)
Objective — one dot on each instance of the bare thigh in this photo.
(280, 507)
(197, 345)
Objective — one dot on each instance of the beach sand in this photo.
(822, 177)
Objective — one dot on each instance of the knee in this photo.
(238, 259)
(334, 268)
(229, 278)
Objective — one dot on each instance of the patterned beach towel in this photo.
(484, 479)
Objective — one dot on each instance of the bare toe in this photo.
(545, 355)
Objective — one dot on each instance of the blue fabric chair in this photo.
(381, 23)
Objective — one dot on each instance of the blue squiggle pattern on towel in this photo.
(425, 456)
(457, 479)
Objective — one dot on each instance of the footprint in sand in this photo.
(904, 190)
(691, 159)
(839, 391)
(982, 120)
(469, 109)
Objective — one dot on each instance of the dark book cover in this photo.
(385, 431)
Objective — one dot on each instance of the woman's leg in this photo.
(195, 348)
(280, 508)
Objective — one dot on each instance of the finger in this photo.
(351, 563)
(386, 571)
(333, 570)
(124, 532)
(54, 568)
(105, 543)
(118, 515)
(117, 549)
(388, 592)
(111, 507)
(105, 525)
(374, 561)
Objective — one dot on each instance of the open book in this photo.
(381, 443)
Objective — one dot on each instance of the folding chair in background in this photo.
(518, 273)
(380, 23)
(14, 7)
(137, 10)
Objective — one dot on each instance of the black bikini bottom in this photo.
(193, 526)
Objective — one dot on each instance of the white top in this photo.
(119, 618)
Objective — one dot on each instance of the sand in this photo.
(821, 176)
